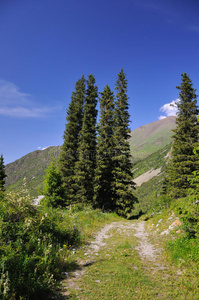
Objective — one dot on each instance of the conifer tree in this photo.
(2, 174)
(123, 185)
(103, 197)
(85, 166)
(68, 155)
(183, 161)
(53, 191)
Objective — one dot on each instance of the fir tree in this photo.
(104, 166)
(123, 185)
(85, 166)
(68, 155)
(183, 161)
(53, 191)
(2, 174)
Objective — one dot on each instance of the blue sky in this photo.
(46, 46)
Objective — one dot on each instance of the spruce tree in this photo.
(85, 166)
(68, 155)
(53, 191)
(2, 174)
(123, 185)
(103, 197)
(183, 161)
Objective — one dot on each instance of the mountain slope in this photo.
(149, 145)
(32, 167)
(149, 138)
(149, 174)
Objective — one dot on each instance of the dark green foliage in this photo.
(104, 165)
(183, 161)
(33, 245)
(123, 186)
(2, 174)
(53, 191)
(188, 207)
(86, 163)
(68, 155)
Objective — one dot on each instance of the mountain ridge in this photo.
(144, 141)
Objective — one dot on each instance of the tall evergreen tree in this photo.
(123, 185)
(85, 166)
(2, 174)
(103, 197)
(68, 155)
(183, 161)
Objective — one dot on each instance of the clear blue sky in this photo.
(46, 45)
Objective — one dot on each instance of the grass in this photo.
(89, 221)
(118, 272)
(180, 251)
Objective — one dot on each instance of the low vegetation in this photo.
(180, 249)
(36, 244)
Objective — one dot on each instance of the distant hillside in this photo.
(149, 174)
(149, 138)
(32, 167)
(149, 147)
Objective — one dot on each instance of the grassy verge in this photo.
(181, 251)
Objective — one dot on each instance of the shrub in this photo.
(189, 211)
(53, 187)
(33, 247)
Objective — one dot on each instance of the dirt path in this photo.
(101, 244)
(124, 261)
(145, 249)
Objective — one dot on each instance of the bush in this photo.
(161, 202)
(33, 247)
(189, 211)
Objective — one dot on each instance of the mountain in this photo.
(150, 145)
(149, 138)
(31, 167)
